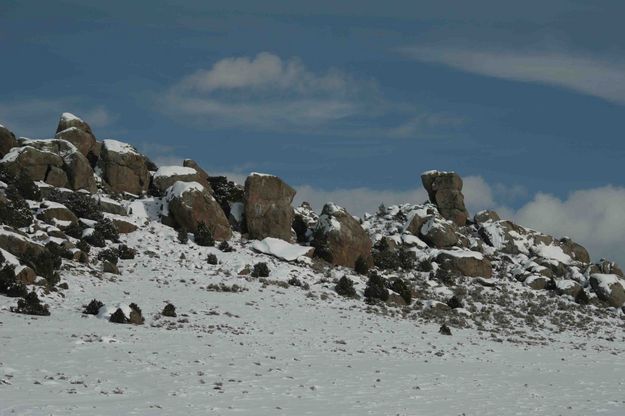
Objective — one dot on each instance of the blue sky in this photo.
(346, 100)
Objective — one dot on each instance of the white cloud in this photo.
(38, 118)
(601, 77)
(269, 93)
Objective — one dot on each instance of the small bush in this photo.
(16, 213)
(110, 254)
(444, 330)
(212, 259)
(31, 305)
(183, 236)
(27, 187)
(169, 310)
(44, 264)
(82, 245)
(399, 286)
(260, 270)
(107, 229)
(582, 298)
(204, 236)
(75, 230)
(96, 239)
(58, 250)
(294, 281)
(81, 204)
(425, 266)
(446, 277)
(454, 302)
(118, 317)
(225, 247)
(93, 308)
(407, 258)
(125, 252)
(345, 287)
(9, 286)
(361, 266)
(376, 288)
(320, 243)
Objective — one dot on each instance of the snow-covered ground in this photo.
(274, 349)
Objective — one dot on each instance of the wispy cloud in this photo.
(38, 118)
(602, 77)
(269, 93)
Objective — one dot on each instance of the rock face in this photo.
(53, 212)
(202, 175)
(465, 263)
(445, 190)
(166, 176)
(84, 141)
(268, 211)
(190, 203)
(438, 233)
(39, 165)
(7, 140)
(123, 168)
(17, 244)
(68, 120)
(341, 236)
(485, 216)
(609, 287)
(574, 250)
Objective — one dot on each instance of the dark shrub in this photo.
(294, 281)
(125, 252)
(225, 192)
(361, 266)
(183, 236)
(59, 250)
(407, 258)
(446, 277)
(81, 204)
(376, 288)
(301, 229)
(107, 229)
(93, 308)
(425, 266)
(384, 257)
(169, 310)
(320, 243)
(44, 264)
(582, 298)
(118, 317)
(82, 245)
(96, 239)
(399, 286)
(31, 305)
(110, 254)
(203, 236)
(26, 187)
(225, 247)
(345, 287)
(444, 330)
(9, 285)
(260, 270)
(211, 259)
(16, 213)
(75, 230)
(454, 302)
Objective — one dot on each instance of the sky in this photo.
(347, 100)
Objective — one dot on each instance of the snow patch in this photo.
(280, 248)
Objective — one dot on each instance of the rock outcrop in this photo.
(609, 288)
(123, 168)
(439, 233)
(7, 140)
(339, 237)
(84, 142)
(166, 176)
(268, 210)
(465, 263)
(39, 165)
(445, 191)
(189, 203)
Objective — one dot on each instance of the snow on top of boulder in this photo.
(262, 174)
(460, 253)
(9, 258)
(119, 147)
(553, 253)
(12, 155)
(167, 171)
(179, 188)
(565, 284)
(433, 223)
(435, 172)
(607, 280)
(280, 248)
(70, 117)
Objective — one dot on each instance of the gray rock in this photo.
(268, 210)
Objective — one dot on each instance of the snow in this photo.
(280, 248)
(553, 253)
(262, 174)
(237, 209)
(70, 117)
(118, 147)
(180, 188)
(167, 171)
(605, 281)
(458, 253)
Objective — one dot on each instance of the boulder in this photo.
(79, 172)
(84, 141)
(439, 233)
(510, 238)
(25, 275)
(567, 287)
(123, 168)
(53, 212)
(268, 211)
(18, 244)
(341, 237)
(110, 206)
(465, 263)
(166, 176)
(68, 120)
(485, 216)
(189, 203)
(7, 140)
(36, 163)
(609, 288)
(202, 175)
(538, 282)
(574, 250)
(445, 191)
(123, 225)
(108, 267)
(606, 267)
(416, 221)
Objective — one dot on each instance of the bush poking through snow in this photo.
(183, 236)
(93, 308)
(384, 257)
(58, 250)
(136, 317)
(26, 187)
(107, 229)
(260, 270)
(16, 213)
(31, 305)
(582, 298)
(83, 246)
(44, 264)
(125, 252)
(425, 266)
(75, 229)
(81, 204)
(376, 288)
(118, 317)
(212, 259)
(454, 302)
(9, 286)
(225, 247)
(399, 286)
(444, 330)
(345, 287)
(169, 310)
(110, 254)
(203, 236)
(361, 266)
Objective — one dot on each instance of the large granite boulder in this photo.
(166, 176)
(438, 232)
(189, 204)
(465, 263)
(445, 190)
(203, 176)
(7, 140)
(574, 250)
(55, 213)
(339, 237)
(39, 165)
(68, 120)
(268, 210)
(609, 288)
(485, 216)
(123, 168)
(18, 244)
(84, 142)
